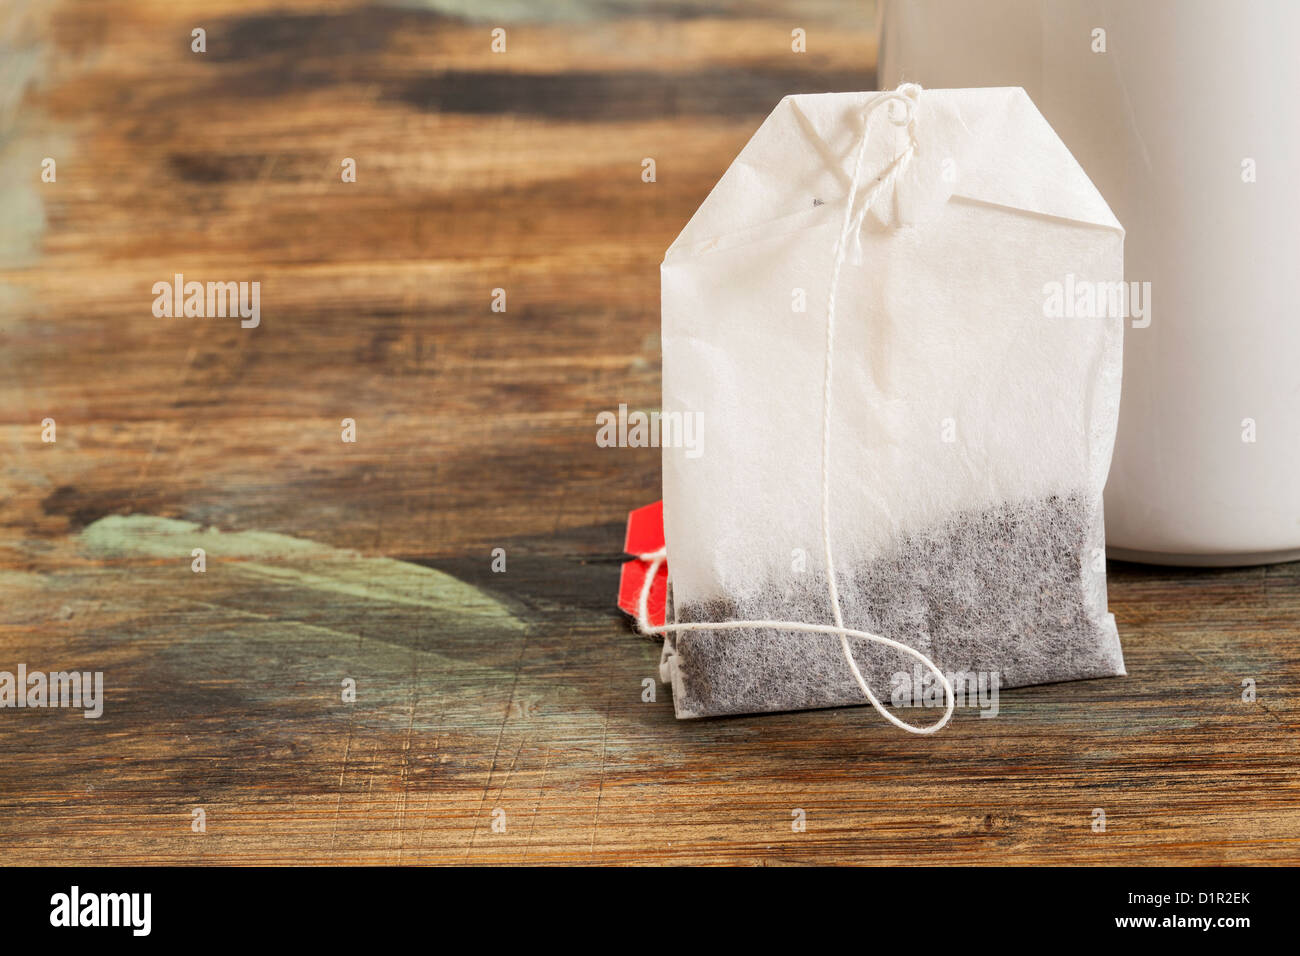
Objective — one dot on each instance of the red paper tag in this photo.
(645, 529)
(645, 534)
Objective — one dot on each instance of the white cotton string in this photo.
(906, 95)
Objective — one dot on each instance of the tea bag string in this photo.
(906, 95)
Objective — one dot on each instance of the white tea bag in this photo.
(892, 319)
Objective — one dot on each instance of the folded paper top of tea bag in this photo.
(982, 145)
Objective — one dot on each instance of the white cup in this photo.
(1186, 116)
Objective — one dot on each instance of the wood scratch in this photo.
(604, 746)
(405, 778)
(496, 750)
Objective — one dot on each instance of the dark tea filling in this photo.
(1017, 590)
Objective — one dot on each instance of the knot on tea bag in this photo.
(900, 108)
(906, 96)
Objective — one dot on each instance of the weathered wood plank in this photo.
(477, 691)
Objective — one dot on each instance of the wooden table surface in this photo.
(499, 716)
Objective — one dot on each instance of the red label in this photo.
(645, 534)
(645, 529)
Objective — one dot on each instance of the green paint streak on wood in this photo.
(22, 215)
(312, 566)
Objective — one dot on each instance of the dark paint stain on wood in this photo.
(292, 37)
(626, 96)
(82, 506)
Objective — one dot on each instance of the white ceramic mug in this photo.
(1186, 115)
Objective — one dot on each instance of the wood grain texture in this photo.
(477, 691)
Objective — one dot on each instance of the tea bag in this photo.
(890, 317)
